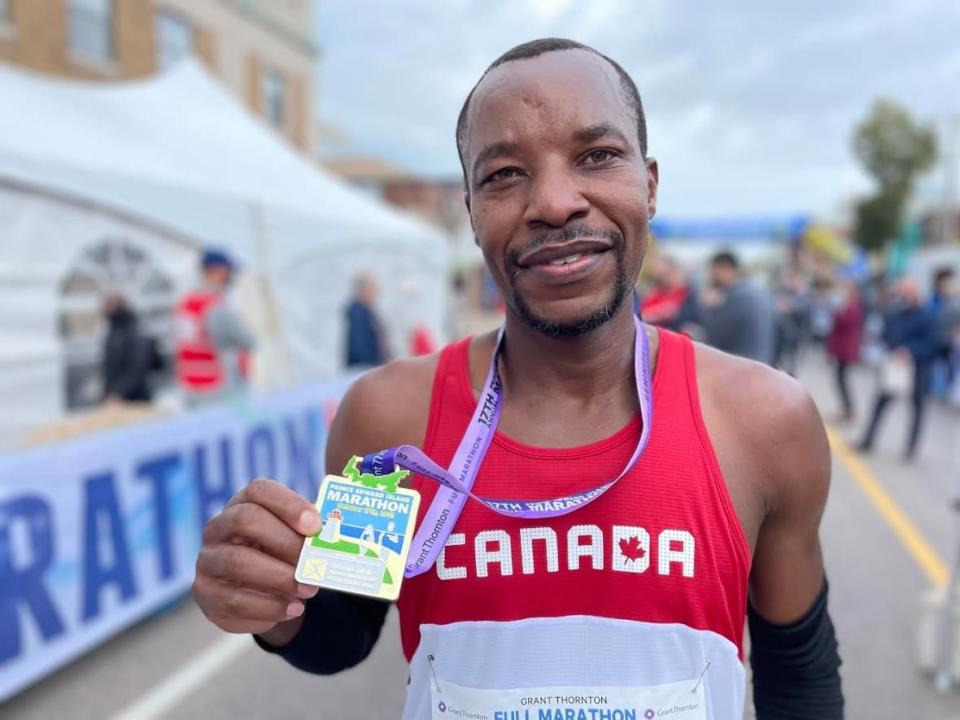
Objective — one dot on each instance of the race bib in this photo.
(676, 701)
(364, 539)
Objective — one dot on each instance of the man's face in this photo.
(559, 194)
(947, 287)
(722, 275)
(666, 275)
(908, 293)
(369, 291)
(219, 276)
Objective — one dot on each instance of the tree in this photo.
(894, 150)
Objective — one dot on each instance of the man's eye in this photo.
(502, 174)
(600, 155)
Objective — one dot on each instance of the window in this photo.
(91, 28)
(274, 92)
(174, 39)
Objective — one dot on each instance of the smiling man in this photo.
(682, 487)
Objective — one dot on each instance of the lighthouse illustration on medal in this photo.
(363, 542)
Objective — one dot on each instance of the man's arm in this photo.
(793, 647)
(384, 408)
(227, 329)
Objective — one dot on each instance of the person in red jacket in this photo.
(671, 302)
(213, 342)
(843, 343)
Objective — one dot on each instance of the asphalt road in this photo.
(178, 666)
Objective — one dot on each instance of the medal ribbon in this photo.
(451, 498)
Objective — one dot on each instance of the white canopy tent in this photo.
(116, 188)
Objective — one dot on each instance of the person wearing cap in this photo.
(213, 341)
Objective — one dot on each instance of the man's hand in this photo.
(245, 570)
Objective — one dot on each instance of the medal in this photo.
(363, 541)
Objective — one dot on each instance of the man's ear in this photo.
(653, 182)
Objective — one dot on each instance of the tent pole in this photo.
(264, 286)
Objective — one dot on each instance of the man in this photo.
(910, 334)
(792, 305)
(945, 306)
(670, 303)
(644, 590)
(944, 292)
(365, 345)
(213, 342)
(127, 355)
(737, 315)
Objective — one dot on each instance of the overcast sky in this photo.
(749, 109)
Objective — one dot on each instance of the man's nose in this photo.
(555, 198)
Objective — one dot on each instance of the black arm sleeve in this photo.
(796, 667)
(338, 632)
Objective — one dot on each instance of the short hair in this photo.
(941, 275)
(536, 48)
(726, 257)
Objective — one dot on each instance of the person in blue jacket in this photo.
(910, 329)
(365, 339)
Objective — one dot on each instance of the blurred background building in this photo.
(437, 200)
(261, 50)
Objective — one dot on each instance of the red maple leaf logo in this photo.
(630, 547)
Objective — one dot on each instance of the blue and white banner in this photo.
(100, 531)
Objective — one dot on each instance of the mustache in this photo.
(564, 234)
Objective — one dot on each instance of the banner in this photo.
(99, 532)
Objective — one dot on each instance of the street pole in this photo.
(944, 678)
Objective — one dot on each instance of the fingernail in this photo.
(306, 591)
(310, 521)
(295, 609)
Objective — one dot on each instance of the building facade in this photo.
(262, 50)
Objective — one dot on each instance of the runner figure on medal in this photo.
(602, 504)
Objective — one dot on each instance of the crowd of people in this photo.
(211, 358)
(911, 341)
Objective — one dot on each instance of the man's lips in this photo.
(563, 253)
(566, 269)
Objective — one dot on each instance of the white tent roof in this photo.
(173, 148)
(170, 164)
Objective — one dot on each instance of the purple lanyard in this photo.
(450, 499)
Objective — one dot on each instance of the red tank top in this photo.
(664, 545)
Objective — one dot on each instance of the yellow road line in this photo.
(923, 554)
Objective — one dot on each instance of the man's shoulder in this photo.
(766, 404)
(390, 404)
(766, 431)
(399, 379)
